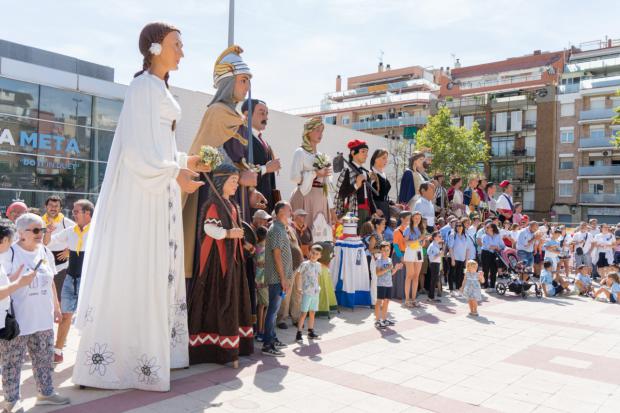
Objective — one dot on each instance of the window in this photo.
(330, 120)
(65, 107)
(468, 121)
(529, 172)
(595, 187)
(597, 131)
(346, 120)
(597, 162)
(567, 109)
(567, 136)
(597, 103)
(502, 146)
(501, 122)
(499, 172)
(18, 98)
(617, 187)
(565, 189)
(530, 145)
(106, 113)
(516, 121)
(566, 163)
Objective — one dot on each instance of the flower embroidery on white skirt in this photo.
(98, 358)
(147, 370)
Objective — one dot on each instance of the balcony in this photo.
(389, 123)
(511, 102)
(596, 114)
(529, 125)
(588, 84)
(362, 103)
(604, 170)
(498, 82)
(391, 87)
(608, 199)
(602, 142)
(592, 64)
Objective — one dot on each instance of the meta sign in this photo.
(43, 142)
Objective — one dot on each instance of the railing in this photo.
(588, 198)
(590, 83)
(602, 142)
(597, 114)
(391, 87)
(389, 123)
(506, 81)
(333, 106)
(469, 101)
(601, 170)
(528, 151)
(529, 125)
(592, 64)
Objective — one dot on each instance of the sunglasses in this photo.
(37, 231)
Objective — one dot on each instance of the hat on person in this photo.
(228, 64)
(300, 212)
(504, 183)
(261, 214)
(525, 218)
(16, 204)
(357, 144)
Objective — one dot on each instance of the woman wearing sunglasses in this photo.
(35, 308)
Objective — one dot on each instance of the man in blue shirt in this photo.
(525, 243)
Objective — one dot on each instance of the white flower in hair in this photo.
(155, 49)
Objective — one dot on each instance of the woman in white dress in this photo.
(132, 311)
(312, 182)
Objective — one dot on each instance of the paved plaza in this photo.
(533, 355)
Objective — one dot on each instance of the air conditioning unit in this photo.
(605, 153)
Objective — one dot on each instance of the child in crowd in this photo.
(552, 249)
(471, 287)
(262, 292)
(435, 255)
(552, 284)
(613, 282)
(384, 269)
(309, 270)
(583, 282)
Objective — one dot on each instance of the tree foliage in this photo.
(456, 151)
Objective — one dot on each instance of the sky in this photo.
(296, 48)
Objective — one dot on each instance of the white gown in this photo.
(132, 312)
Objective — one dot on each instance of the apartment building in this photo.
(587, 165)
(514, 103)
(394, 103)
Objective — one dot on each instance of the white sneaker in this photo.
(12, 407)
(54, 399)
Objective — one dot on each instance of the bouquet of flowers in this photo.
(210, 156)
(321, 161)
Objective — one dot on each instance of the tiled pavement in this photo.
(533, 355)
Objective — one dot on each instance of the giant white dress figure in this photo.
(132, 311)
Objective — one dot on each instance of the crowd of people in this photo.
(209, 260)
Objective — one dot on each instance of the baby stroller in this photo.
(516, 277)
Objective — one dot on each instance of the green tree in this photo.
(455, 150)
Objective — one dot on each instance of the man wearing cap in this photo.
(220, 124)
(260, 219)
(353, 190)
(504, 204)
(304, 234)
(263, 157)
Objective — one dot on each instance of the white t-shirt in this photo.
(427, 209)
(34, 305)
(4, 303)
